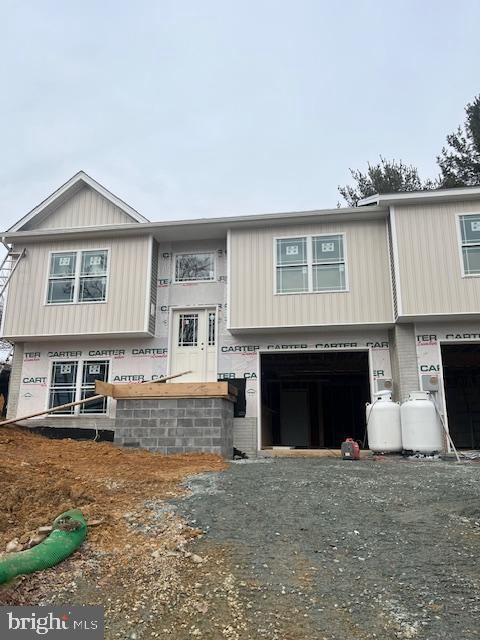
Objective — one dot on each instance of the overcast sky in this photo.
(214, 107)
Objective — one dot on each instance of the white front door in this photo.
(193, 345)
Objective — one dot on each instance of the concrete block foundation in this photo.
(170, 425)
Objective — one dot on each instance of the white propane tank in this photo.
(383, 424)
(421, 427)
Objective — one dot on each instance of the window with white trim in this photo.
(77, 276)
(194, 267)
(470, 239)
(310, 264)
(73, 380)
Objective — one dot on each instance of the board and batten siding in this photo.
(429, 261)
(253, 302)
(86, 208)
(125, 310)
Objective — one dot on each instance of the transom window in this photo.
(74, 380)
(470, 237)
(194, 267)
(77, 276)
(310, 264)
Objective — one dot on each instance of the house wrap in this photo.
(309, 313)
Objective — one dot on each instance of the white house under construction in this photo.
(306, 313)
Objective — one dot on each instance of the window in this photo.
(211, 328)
(188, 330)
(194, 267)
(77, 276)
(73, 380)
(93, 370)
(311, 264)
(61, 281)
(292, 265)
(328, 263)
(470, 234)
(63, 385)
(93, 276)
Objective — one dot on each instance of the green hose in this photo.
(69, 531)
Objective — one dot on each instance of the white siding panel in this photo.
(429, 260)
(27, 314)
(86, 208)
(254, 304)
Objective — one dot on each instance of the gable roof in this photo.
(72, 186)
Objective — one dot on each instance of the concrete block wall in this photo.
(170, 425)
(245, 435)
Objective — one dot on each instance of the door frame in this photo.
(442, 391)
(261, 352)
(194, 307)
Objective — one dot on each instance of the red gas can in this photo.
(350, 449)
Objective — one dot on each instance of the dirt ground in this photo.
(278, 549)
(131, 562)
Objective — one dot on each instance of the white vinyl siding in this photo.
(314, 264)
(470, 244)
(124, 312)
(253, 298)
(430, 259)
(86, 208)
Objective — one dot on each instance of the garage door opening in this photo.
(461, 374)
(313, 400)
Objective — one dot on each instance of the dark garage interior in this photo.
(461, 374)
(313, 400)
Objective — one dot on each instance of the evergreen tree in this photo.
(387, 176)
(459, 161)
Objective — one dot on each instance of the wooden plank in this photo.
(104, 388)
(52, 410)
(173, 390)
(107, 389)
(165, 378)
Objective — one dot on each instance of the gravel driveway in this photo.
(323, 548)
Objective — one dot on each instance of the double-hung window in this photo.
(77, 276)
(470, 240)
(308, 264)
(194, 267)
(63, 385)
(328, 263)
(93, 277)
(93, 370)
(61, 280)
(292, 265)
(73, 380)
